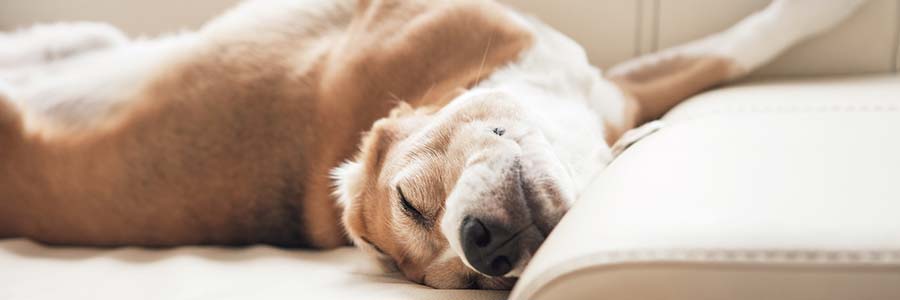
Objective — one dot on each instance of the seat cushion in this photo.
(775, 190)
(31, 271)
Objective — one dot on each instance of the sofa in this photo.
(779, 186)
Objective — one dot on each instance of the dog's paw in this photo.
(45, 43)
(633, 136)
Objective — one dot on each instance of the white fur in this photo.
(43, 43)
(346, 178)
(85, 90)
(568, 101)
(761, 37)
(73, 75)
(78, 91)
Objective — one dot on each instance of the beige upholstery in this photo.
(30, 271)
(771, 190)
(782, 190)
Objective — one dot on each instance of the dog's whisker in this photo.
(487, 49)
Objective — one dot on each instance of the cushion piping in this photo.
(775, 257)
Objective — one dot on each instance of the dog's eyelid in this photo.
(409, 209)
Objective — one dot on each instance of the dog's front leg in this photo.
(657, 82)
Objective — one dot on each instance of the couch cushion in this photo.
(30, 271)
(780, 190)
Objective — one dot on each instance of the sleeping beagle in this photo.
(481, 127)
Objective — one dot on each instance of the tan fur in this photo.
(431, 162)
(233, 143)
(371, 218)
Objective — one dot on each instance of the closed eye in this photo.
(410, 211)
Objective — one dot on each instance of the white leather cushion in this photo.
(785, 190)
(30, 271)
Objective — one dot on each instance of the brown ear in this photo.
(377, 143)
(351, 178)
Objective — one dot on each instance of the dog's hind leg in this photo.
(657, 82)
(45, 43)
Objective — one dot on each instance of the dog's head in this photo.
(459, 197)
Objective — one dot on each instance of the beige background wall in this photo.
(610, 30)
(134, 16)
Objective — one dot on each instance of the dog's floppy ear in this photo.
(350, 176)
(354, 178)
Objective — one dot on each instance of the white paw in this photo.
(809, 17)
(633, 136)
(761, 37)
(76, 38)
(48, 42)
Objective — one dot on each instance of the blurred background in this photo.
(610, 30)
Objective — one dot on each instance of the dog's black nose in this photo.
(490, 248)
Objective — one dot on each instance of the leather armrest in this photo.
(784, 190)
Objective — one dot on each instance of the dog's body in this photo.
(228, 135)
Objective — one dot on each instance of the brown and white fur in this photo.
(482, 127)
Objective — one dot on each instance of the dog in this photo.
(454, 135)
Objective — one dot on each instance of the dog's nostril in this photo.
(475, 233)
(490, 248)
(481, 234)
(501, 265)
